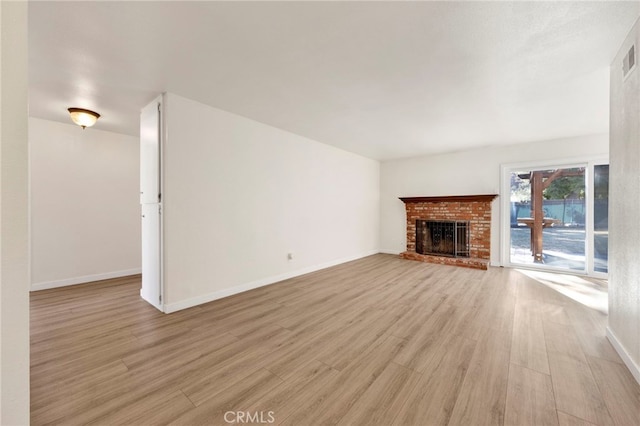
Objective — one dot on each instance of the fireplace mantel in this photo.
(450, 198)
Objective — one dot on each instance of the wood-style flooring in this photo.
(378, 341)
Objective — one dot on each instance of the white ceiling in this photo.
(382, 79)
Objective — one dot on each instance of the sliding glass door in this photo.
(557, 217)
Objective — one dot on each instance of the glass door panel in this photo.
(548, 218)
(601, 218)
(520, 250)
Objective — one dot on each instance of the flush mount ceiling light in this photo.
(83, 117)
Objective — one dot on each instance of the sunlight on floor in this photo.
(590, 293)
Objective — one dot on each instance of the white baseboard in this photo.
(210, 297)
(84, 279)
(626, 358)
(388, 251)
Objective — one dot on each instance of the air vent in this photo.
(629, 61)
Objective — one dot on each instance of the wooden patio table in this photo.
(546, 223)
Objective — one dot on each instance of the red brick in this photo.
(478, 213)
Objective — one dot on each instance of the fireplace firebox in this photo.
(442, 237)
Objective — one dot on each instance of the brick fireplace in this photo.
(473, 209)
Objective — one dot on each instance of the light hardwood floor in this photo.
(378, 341)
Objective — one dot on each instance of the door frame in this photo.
(153, 291)
(505, 210)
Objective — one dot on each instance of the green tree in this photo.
(566, 187)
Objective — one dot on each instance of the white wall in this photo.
(14, 277)
(239, 195)
(624, 210)
(85, 212)
(461, 173)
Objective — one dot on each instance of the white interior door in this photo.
(150, 153)
(150, 198)
(151, 276)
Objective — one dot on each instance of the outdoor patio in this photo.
(562, 248)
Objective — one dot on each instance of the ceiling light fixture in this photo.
(83, 117)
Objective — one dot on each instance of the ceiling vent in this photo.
(629, 61)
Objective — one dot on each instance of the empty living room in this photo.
(320, 212)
